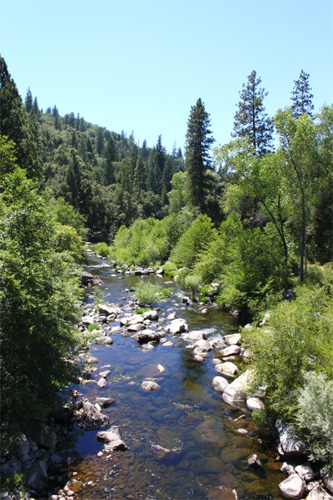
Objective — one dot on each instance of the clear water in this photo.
(207, 456)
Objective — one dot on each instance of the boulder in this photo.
(232, 339)
(231, 350)
(89, 417)
(104, 402)
(104, 340)
(102, 382)
(219, 384)
(203, 344)
(178, 325)
(292, 487)
(108, 310)
(149, 385)
(43, 435)
(150, 315)
(22, 445)
(235, 393)
(305, 471)
(112, 439)
(254, 404)
(327, 479)
(194, 336)
(147, 335)
(38, 478)
(318, 493)
(291, 444)
(228, 369)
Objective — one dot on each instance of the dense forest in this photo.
(254, 217)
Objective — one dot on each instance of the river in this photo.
(207, 456)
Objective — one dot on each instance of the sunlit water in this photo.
(208, 456)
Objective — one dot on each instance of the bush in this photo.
(315, 416)
(297, 338)
(192, 282)
(102, 249)
(147, 293)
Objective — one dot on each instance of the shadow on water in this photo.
(183, 441)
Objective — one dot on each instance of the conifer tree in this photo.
(198, 142)
(251, 119)
(301, 96)
(28, 101)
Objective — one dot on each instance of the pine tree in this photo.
(251, 119)
(28, 101)
(198, 142)
(301, 96)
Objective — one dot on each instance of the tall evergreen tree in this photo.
(15, 124)
(198, 142)
(301, 96)
(28, 101)
(251, 119)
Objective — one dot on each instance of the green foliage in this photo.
(93, 326)
(192, 282)
(194, 240)
(315, 415)
(297, 338)
(102, 249)
(17, 480)
(147, 293)
(39, 290)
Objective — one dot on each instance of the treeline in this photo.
(104, 175)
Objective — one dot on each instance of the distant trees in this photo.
(251, 119)
(301, 96)
(198, 142)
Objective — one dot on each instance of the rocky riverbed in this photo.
(160, 411)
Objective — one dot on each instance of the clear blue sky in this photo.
(139, 65)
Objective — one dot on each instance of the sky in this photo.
(140, 65)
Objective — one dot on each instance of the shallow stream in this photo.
(207, 456)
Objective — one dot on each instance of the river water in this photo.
(208, 455)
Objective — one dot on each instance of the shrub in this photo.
(147, 293)
(315, 416)
(192, 282)
(102, 249)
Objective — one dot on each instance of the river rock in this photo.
(104, 340)
(102, 382)
(305, 471)
(147, 335)
(219, 384)
(228, 369)
(194, 336)
(150, 315)
(104, 402)
(89, 417)
(327, 478)
(235, 393)
(178, 325)
(318, 493)
(112, 439)
(42, 435)
(254, 404)
(91, 360)
(149, 385)
(254, 461)
(38, 478)
(108, 310)
(292, 487)
(137, 327)
(203, 344)
(231, 350)
(232, 339)
(291, 444)
(105, 373)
